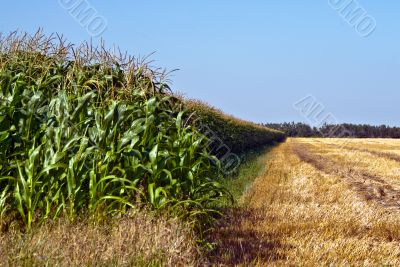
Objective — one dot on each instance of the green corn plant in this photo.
(84, 133)
(4, 195)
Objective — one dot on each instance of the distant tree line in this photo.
(292, 129)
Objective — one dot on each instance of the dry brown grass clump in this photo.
(137, 239)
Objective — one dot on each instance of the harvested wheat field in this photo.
(319, 202)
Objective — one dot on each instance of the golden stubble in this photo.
(298, 214)
(361, 157)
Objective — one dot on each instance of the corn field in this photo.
(238, 135)
(84, 131)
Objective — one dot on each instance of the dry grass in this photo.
(307, 210)
(139, 239)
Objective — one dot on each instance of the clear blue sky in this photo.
(252, 59)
